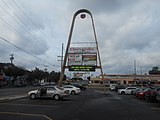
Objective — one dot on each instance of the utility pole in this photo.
(61, 60)
(45, 68)
(141, 73)
(135, 71)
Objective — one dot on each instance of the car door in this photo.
(129, 90)
(50, 92)
(158, 95)
(43, 92)
(68, 88)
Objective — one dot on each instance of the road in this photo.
(91, 104)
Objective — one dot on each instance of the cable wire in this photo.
(24, 50)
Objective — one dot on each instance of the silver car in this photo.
(49, 92)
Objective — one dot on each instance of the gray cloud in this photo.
(126, 31)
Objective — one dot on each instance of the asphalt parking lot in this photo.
(90, 104)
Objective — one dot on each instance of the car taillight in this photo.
(67, 92)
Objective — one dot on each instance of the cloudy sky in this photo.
(127, 31)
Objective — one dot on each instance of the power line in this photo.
(22, 10)
(15, 29)
(29, 19)
(13, 11)
(24, 50)
(26, 28)
(18, 56)
(10, 27)
(31, 43)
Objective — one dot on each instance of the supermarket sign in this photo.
(82, 50)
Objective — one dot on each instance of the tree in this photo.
(54, 76)
(14, 71)
(155, 70)
(38, 74)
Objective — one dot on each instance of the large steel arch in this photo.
(69, 42)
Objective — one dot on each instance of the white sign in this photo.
(74, 59)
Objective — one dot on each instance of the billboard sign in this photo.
(82, 50)
(89, 59)
(82, 58)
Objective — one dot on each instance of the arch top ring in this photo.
(81, 11)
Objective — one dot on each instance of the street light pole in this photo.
(11, 58)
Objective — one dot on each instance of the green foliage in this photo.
(36, 74)
(14, 71)
(155, 70)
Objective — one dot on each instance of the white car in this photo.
(112, 86)
(158, 96)
(73, 90)
(49, 92)
(127, 90)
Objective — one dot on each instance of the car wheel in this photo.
(122, 92)
(73, 92)
(132, 92)
(33, 96)
(56, 97)
(147, 98)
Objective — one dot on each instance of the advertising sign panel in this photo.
(82, 68)
(82, 58)
(74, 59)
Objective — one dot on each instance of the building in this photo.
(126, 79)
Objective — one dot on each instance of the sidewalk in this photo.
(8, 94)
(9, 98)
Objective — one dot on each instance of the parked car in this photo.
(72, 89)
(140, 92)
(127, 90)
(119, 87)
(49, 92)
(151, 94)
(112, 87)
(79, 86)
(158, 96)
(47, 83)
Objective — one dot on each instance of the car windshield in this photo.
(60, 88)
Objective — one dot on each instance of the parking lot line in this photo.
(30, 105)
(156, 108)
(26, 114)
